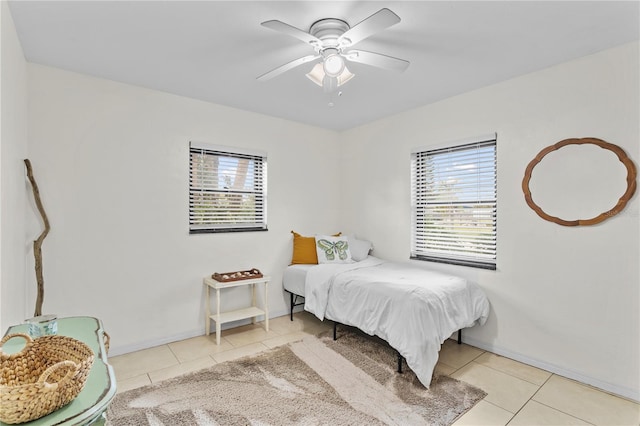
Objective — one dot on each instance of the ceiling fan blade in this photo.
(377, 60)
(286, 67)
(380, 20)
(292, 31)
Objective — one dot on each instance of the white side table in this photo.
(251, 312)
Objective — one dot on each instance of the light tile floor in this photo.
(518, 394)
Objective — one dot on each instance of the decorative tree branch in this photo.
(37, 244)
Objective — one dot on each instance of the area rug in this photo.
(315, 381)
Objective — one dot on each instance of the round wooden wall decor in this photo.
(622, 202)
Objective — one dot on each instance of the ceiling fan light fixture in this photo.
(317, 75)
(333, 65)
(345, 76)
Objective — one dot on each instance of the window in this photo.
(227, 189)
(454, 203)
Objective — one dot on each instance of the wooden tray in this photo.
(225, 277)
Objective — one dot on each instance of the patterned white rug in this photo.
(315, 381)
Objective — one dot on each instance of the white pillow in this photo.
(332, 249)
(359, 248)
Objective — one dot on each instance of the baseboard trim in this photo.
(146, 344)
(631, 394)
(624, 392)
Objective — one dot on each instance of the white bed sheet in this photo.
(415, 310)
(294, 277)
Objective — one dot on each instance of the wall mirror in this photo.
(587, 178)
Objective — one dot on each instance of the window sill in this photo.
(470, 263)
(225, 230)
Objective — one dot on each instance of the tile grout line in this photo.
(211, 355)
(548, 406)
(504, 372)
(560, 411)
(502, 408)
(510, 375)
(174, 354)
(530, 398)
(465, 364)
(520, 378)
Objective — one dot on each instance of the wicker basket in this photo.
(48, 373)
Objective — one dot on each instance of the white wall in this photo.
(14, 243)
(111, 160)
(112, 163)
(563, 298)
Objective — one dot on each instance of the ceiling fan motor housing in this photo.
(328, 31)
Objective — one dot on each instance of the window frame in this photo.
(258, 177)
(460, 247)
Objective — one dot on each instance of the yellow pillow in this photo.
(304, 249)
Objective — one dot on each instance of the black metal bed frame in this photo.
(400, 357)
(293, 301)
(294, 298)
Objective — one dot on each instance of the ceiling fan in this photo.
(333, 39)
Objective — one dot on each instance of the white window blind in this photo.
(227, 189)
(454, 204)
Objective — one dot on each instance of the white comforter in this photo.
(413, 309)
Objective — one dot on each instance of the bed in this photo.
(413, 309)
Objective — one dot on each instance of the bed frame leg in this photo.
(460, 336)
(335, 330)
(399, 362)
(291, 295)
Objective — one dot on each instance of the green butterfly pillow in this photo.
(332, 249)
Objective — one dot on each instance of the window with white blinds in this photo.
(454, 204)
(227, 189)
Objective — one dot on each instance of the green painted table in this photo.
(89, 407)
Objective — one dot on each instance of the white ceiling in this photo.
(214, 50)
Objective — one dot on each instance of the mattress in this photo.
(294, 277)
(413, 309)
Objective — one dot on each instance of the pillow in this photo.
(304, 250)
(331, 249)
(359, 248)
